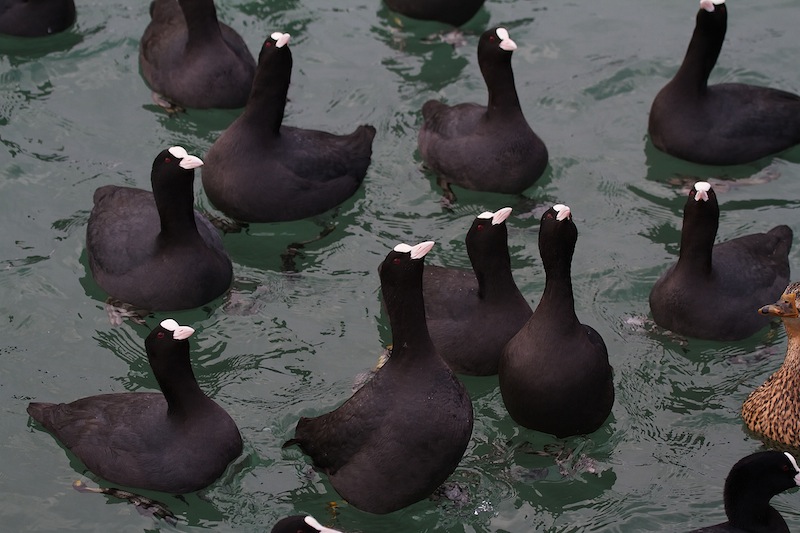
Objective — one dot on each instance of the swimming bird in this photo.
(26, 18)
(723, 124)
(772, 411)
(400, 436)
(713, 290)
(471, 315)
(555, 376)
(192, 60)
(259, 170)
(484, 148)
(177, 440)
(152, 250)
(301, 524)
(750, 485)
(453, 12)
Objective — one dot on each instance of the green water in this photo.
(75, 115)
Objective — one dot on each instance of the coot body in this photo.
(36, 18)
(404, 432)
(555, 376)
(176, 441)
(190, 59)
(724, 124)
(714, 291)
(472, 315)
(153, 250)
(484, 148)
(259, 170)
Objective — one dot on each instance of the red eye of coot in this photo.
(160, 335)
(480, 227)
(397, 261)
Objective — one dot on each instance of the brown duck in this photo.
(773, 409)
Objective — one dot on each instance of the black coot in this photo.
(27, 18)
(714, 291)
(261, 171)
(404, 432)
(554, 374)
(724, 124)
(484, 148)
(473, 314)
(176, 441)
(153, 250)
(190, 59)
(750, 485)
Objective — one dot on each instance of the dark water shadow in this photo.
(425, 60)
(531, 203)
(21, 50)
(428, 30)
(667, 169)
(194, 129)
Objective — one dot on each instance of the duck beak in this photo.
(785, 307)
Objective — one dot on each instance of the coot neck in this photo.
(493, 272)
(703, 51)
(499, 78)
(749, 510)
(201, 22)
(558, 301)
(174, 197)
(698, 233)
(179, 385)
(406, 309)
(267, 101)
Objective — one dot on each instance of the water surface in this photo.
(75, 115)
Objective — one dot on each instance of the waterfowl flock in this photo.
(400, 437)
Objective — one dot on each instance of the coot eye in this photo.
(267, 44)
(548, 215)
(167, 160)
(397, 261)
(480, 227)
(160, 335)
